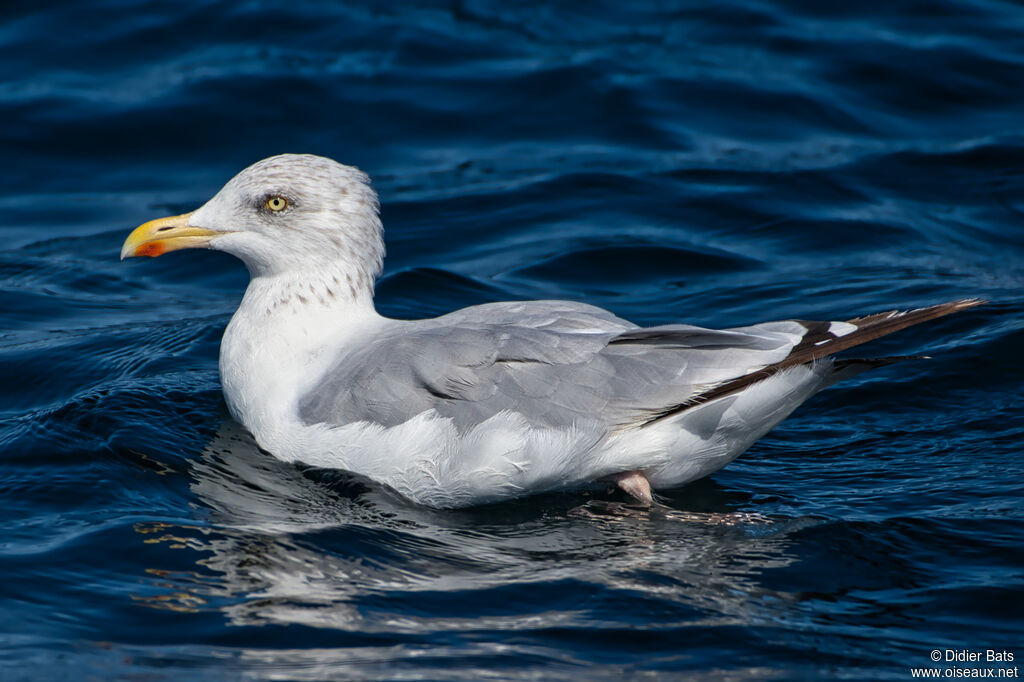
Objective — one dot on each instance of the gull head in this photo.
(287, 214)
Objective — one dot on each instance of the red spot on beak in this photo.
(152, 250)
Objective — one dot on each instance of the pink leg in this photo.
(636, 484)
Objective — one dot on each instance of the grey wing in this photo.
(555, 363)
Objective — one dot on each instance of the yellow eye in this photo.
(276, 203)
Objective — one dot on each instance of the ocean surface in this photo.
(712, 163)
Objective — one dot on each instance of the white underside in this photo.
(427, 460)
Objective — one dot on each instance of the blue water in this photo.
(718, 164)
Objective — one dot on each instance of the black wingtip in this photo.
(812, 348)
(923, 314)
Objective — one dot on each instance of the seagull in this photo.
(493, 401)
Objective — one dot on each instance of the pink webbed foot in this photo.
(636, 484)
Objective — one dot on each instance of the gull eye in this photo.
(276, 203)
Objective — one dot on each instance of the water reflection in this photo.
(286, 546)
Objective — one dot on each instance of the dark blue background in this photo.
(717, 164)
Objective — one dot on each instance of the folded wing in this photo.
(563, 364)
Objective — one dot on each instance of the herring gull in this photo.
(489, 402)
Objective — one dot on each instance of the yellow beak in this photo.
(157, 237)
